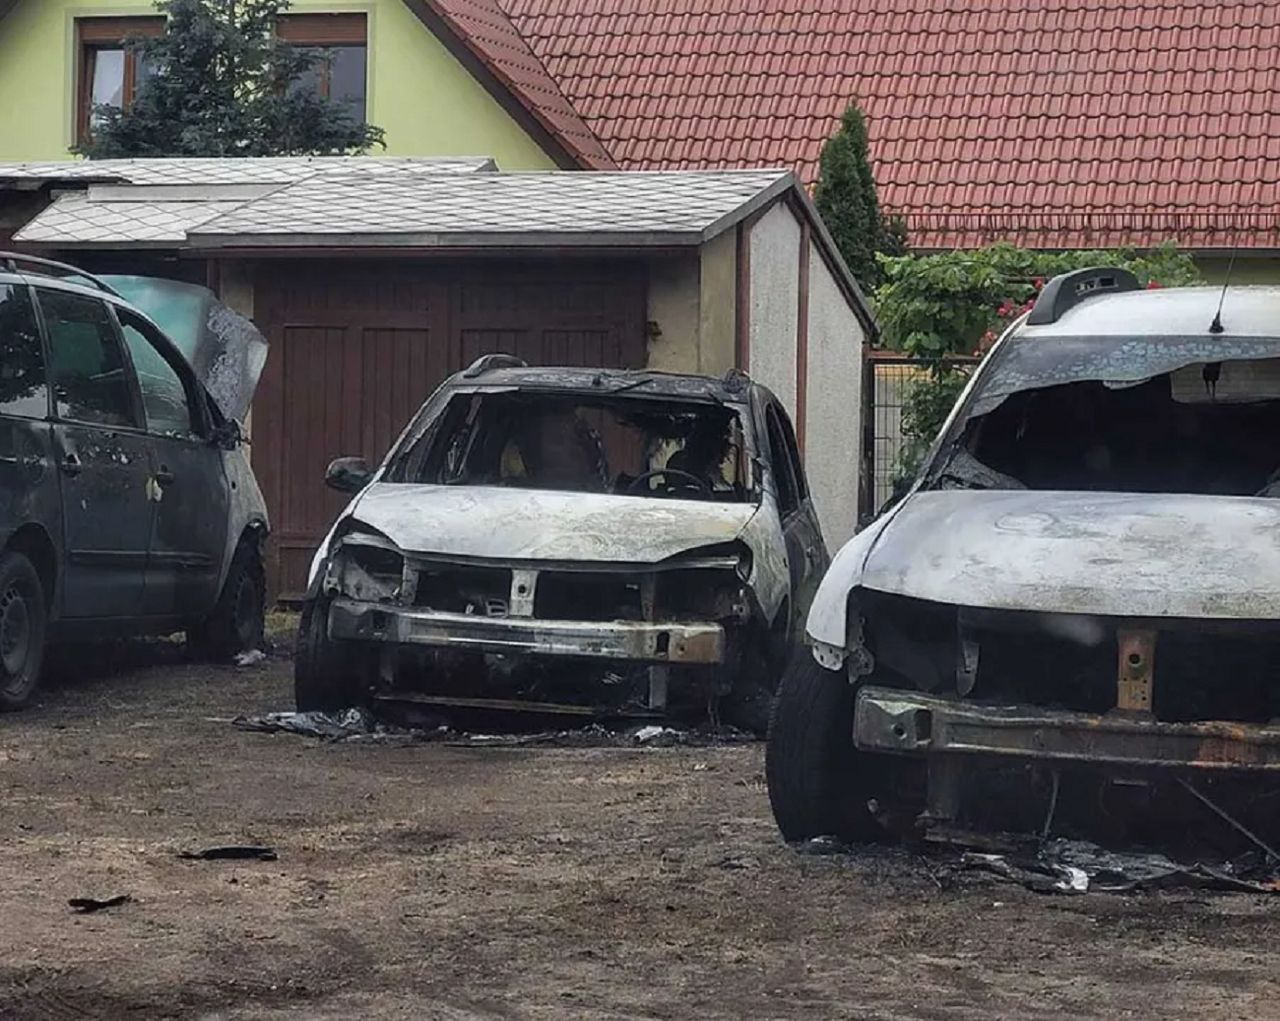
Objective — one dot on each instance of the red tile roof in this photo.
(1051, 122)
(484, 28)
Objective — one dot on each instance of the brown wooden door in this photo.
(356, 349)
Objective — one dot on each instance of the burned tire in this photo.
(237, 622)
(23, 622)
(328, 676)
(818, 782)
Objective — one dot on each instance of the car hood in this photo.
(524, 524)
(1133, 555)
(224, 348)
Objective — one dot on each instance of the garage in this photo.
(358, 346)
(373, 279)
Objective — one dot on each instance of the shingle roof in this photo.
(75, 219)
(498, 209)
(508, 210)
(255, 170)
(483, 26)
(1050, 122)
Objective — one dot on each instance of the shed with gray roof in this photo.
(375, 278)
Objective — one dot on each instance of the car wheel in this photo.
(328, 676)
(23, 619)
(236, 623)
(819, 785)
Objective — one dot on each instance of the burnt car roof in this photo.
(734, 388)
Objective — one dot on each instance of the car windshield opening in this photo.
(631, 446)
(1206, 428)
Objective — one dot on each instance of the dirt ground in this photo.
(422, 880)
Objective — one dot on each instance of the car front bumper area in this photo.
(641, 641)
(910, 723)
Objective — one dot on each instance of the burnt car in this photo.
(127, 505)
(1072, 619)
(568, 541)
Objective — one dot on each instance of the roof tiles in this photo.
(483, 26)
(1050, 122)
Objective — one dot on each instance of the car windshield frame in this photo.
(1028, 362)
(426, 431)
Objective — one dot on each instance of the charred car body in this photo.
(127, 505)
(576, 540)
(1074, 613)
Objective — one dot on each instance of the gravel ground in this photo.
(423, 880)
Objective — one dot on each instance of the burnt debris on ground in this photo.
(359, 724)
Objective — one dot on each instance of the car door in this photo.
(28, 485)
(806, 551)
(189, 534)
(103, 458)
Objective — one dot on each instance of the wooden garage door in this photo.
(356, 349)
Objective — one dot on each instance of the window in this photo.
(90, 382)
(635, 446)
(785, 467)
(340, 44)
(109, 72)
(23, 392)
(164, 395)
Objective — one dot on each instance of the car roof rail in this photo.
(495, 361)
(13, 261)
(1069, 289)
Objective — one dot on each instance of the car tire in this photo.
(237, 622)
(23, 623)
(328, 676)
(819, 785)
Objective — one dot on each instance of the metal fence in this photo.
(887, 380)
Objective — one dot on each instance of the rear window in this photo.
(23, 386)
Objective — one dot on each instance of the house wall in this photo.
(833, 424)
(425, 100)
(775, 302)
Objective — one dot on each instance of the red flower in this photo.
(1005, 310)
(1154, 285)
(1039, 283)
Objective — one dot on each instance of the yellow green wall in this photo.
(425, 100)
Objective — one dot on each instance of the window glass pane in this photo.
(107, 87)
(90, 382)
(164, 398)
(347, 79)
(784, 479)
(338, 74)
(22, 380)
(793, 455)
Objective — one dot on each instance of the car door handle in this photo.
(71, 465)
(165, 477)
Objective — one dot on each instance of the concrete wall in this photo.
(833, 423)
(675, 302)
(775, 302)
(717, 304)
(425, 100)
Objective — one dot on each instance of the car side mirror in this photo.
(348, 474)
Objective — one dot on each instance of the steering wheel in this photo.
(690, 480)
